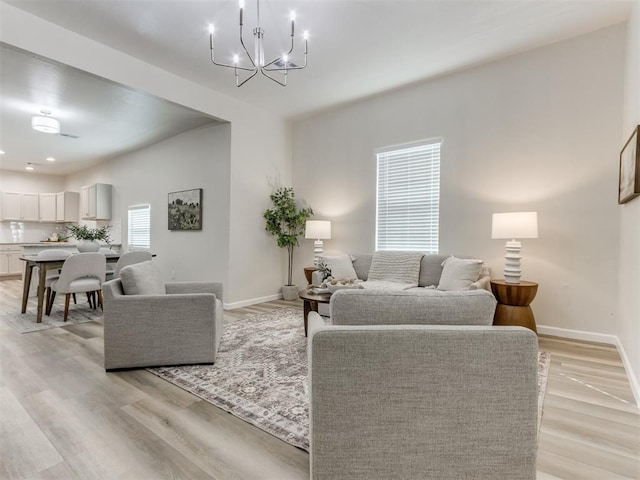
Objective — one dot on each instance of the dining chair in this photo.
(110, 267)
(81, 273)
(51, 274)
(130, 258)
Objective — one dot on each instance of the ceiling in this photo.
(357, 49)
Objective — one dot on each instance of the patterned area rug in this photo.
(26, 322)
(261, 371)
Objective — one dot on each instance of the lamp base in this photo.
(317, 252)
(512, 271)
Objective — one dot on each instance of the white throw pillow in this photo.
(341, 267)
(400, 267)
(459, 273)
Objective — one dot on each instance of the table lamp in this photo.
(511, 226)
(318, 230)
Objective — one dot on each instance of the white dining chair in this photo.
(82, 272)
(130, 258)
(110, 268)
(51, 274)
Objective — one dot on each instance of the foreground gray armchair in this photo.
(180, 326)
(419, 402)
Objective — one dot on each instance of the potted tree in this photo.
(286, 222)
(89, 238)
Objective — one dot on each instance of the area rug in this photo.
(261, 371)
(26, 322)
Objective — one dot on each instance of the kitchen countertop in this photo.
(49, 244)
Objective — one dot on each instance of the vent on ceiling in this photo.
(69, 135)
(280, 64)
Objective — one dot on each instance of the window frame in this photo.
(130, 238)
(432, 153)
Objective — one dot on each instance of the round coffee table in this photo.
(311, 301)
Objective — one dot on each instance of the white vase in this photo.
(289, 292)
(84, 246)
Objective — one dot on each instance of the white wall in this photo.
(195, 159)
(537, 131)
(260, 141)
(628, 325)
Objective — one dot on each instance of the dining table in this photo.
(45, 264)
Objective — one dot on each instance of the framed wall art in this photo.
(185, 210)
(629, 180)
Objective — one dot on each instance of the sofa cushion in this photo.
(341, 267)
(431, 269)
(401, 267)
(142, 279)
(459, 273)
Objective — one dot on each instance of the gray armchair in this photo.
(409, 402)
(180, 326)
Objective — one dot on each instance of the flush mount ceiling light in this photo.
(29, 167)
(51, 159)
(279, 66)
(45, 124)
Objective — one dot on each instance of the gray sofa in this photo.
(417, 401)
(423, 304)
(181, 325)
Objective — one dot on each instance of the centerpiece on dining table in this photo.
(89, 238)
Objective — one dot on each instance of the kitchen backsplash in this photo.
(26, 232)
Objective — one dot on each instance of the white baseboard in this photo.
(578, 335)
(252, 301)
(599, 338)
(633, 379)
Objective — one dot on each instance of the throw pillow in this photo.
(341, 267)
(400, 267)
(459, 273)
(141, 279)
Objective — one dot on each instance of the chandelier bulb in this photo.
(292, 16)
(236, 59)
(305, 35)
(211, 29)
(241, 3)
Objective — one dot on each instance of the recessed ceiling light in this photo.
(29, 167)
(51, 159)
(1, 152)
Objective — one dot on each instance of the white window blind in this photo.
(408, 197)
(139, 237)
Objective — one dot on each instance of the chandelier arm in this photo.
(229, 65)
(297, 67)
(278, 58)
(255, 72)
(284, 84)
(246, 51)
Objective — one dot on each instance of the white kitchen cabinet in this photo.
(10, 263)
(67, 206)
(47, 207)
(95, 202)
(22, 207)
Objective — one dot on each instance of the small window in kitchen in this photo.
(139, 237)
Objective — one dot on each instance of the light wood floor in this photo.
(63, 417)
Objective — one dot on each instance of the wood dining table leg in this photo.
(28, 272)
(41, 281)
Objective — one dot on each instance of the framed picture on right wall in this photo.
(629, 182)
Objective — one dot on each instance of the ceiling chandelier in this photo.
(280, 66)
(46, 124)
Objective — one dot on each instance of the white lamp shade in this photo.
(45, 124)
(515, 225)
(318, 229)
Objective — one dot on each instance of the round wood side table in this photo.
(513, 303)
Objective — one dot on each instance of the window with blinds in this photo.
(408, 197)
(139, 237)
